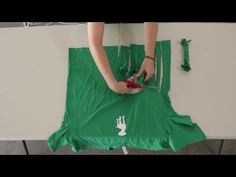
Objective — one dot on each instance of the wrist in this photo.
(111, 82)
(149, 52)
(149, 57)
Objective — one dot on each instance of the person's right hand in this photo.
(119, 87)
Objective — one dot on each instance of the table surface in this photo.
(33, 75)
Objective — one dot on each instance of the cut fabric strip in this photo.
(186, 65)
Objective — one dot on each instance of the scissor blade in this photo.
(134, 91)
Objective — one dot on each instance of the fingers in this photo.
(140, 71)
(131, 79)
(126, 89)
(148, 76)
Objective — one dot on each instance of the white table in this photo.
(33, 75)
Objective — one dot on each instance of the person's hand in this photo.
(119, 87)
(148, 67)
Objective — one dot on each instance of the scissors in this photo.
(134, 88)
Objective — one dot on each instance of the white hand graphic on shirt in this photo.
(121, 125)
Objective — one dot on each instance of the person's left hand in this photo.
(148, 67)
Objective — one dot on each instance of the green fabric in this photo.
(92, 109)
(186, 65)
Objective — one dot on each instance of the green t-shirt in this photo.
(96, 117)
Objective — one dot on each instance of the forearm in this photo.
(150, 36)
(95, 36)
(101, 60)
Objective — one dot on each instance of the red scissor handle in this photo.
(132, 85)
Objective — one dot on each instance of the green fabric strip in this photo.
(159, 63)
(166, 54)
(186, 65)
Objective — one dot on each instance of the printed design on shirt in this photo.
(121, 125)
